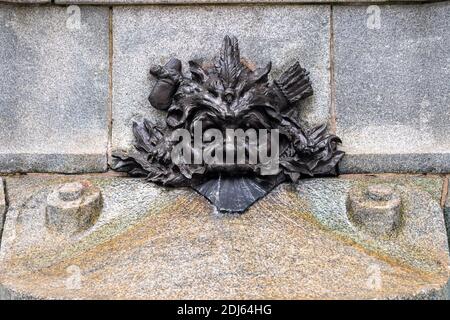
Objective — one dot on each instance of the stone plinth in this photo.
(297, 242)
(54, 88)
(391, 71)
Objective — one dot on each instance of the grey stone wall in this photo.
(392, 88)
(54, 91)
(71, 88)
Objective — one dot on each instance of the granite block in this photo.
(391, 87)
(54, 90)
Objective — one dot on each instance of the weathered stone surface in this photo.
(375, 209)
(2, 206)
(282, 34)
(26, 1)
(212, 1)
(447, 213)
(151, 242)
(418, 196)
(54, 89)
(73, 207)
(391, 88)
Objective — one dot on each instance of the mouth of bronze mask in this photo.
(229, 94)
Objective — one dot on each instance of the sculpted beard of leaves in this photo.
(228, 94)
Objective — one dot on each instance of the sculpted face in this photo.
(228, 94)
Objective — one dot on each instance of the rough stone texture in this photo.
(213, 1)
(392, 100)
(26, 1)
(73, 207)
(282, 34)
(151, 242)
(447, 212)
(418, 197)
(2, 207)
(54, 89)
(375, 211)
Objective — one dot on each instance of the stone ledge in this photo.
(53, 163)
(153, 242)
(395, 163)
(25, 1)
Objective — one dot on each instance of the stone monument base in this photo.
(148, 242)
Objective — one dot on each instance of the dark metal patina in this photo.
(229, 94)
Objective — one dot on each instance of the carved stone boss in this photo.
(228, 93)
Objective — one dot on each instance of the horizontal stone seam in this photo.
(219, 3)
(112, 173)
(4, 154)
(384, 154)
(393, 174)
(343, 170)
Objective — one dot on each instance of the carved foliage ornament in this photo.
(223, 94)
